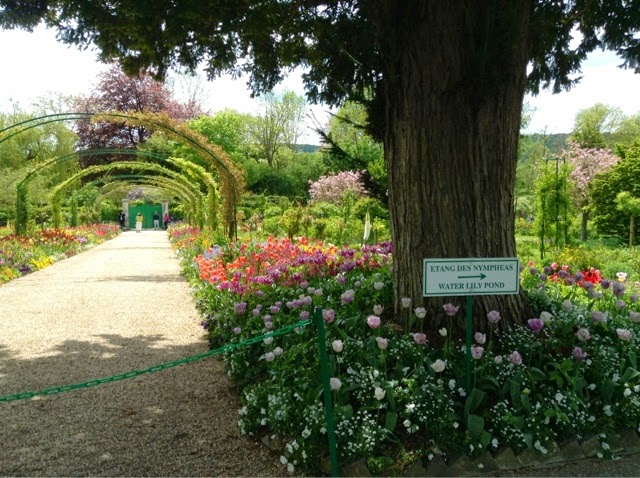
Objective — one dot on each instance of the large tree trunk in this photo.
(454, 77)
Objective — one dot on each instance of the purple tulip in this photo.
(536, 325)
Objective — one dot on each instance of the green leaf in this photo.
(633, 359)
(345, 411)
(629, 374)
(473, 400)
(525, 402)
(390, 421)
(536, 374)
(549, 412)
(608, 389)
(475, 425)
(528, 438)
(514, 388)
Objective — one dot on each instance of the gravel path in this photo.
(120, 306)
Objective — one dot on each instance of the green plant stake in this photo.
(328, 404)
(469, 337)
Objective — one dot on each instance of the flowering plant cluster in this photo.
(569, 371)
(20, 255)
(332, 189)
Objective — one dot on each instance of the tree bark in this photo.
(451, 155)
(583, 225)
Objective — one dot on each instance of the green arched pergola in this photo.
(231, 178)
(58, 191)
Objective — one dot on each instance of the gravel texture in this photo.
(118, 307)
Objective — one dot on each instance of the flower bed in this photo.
(570, 371)
(20, 255)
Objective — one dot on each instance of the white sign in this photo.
(454, 277)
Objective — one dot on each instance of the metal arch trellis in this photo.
(193, 171)
(212, 154)
(127, 165)
(124, 181)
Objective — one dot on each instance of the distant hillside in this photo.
(553, 143)
(307, 148)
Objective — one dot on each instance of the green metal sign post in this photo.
(466, 278)
(328, 402)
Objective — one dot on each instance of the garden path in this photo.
(117, 307)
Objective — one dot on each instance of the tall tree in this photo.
(593, 124)
(584, 164)
(116, 91)
(278, 124)
(443, 82)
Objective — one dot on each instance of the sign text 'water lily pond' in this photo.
(459, 277)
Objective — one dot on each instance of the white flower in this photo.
(545, 317)
(627, 392)
(410, 407)
(498, 359)
(605, 446)
(406, 423)
(462, 392)
(335, 383)
(559, 397)
(592, 386)
(268, 340)
(379, 393)
(443, 332)
(607, 410)
(337, 346)
(382, 343)
(290, 468)
(406, 302)
(494, 443)
(269, 356)
(456, 424)
(283, 460)
(452, 384)
(567, 305)
(278, 351)
(438, 366)
(421, 312)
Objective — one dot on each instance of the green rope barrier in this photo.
(156, 368)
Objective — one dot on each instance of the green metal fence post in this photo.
(469, 339)
(328, 403)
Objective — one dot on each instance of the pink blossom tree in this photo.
(584, 164)
(333, 188)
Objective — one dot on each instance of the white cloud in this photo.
(602, 82)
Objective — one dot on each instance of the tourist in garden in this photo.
(139, 220)
(122, 218)
(165, 219)
(156, 221)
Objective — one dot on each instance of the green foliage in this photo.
(625, 176)
(553, 205)
(290, 178)
(591, 124)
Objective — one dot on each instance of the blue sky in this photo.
(35, 64)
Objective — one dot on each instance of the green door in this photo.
(147, 211)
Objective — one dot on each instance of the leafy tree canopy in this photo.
(334, 39)
(624, 176)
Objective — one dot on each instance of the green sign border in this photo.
(469, 260)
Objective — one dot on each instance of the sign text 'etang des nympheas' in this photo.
(459, 277)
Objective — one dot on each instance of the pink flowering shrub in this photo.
(332, 189)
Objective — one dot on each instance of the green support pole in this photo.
(469, 338)
(328, 403)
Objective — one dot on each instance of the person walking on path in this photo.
(122, 218)
(139, 220)
(156, 221)
(165, 220)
